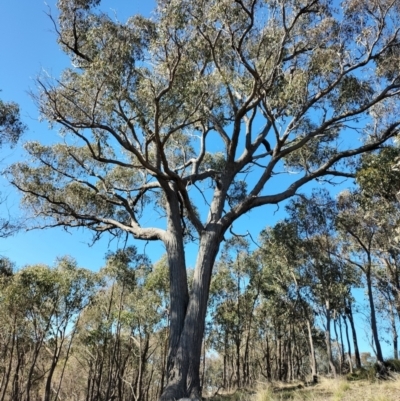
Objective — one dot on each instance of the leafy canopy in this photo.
(207, 103)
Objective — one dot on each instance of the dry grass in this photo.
(326, 390)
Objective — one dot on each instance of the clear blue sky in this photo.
(28, 45)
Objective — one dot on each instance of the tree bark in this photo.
(374, 326)
(349, 313)
(267, 357)
(394, 332)
(348, 344)
(328, 339)
(184, 364)
(313, 361)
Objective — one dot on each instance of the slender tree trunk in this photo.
(374, 326)
(225, 373)
(54, 362)
(29, 379)
(328, 339)
(99, 378)
(16, 385)
(7, 374)
(164, 352)
(341, 338)
(348, 344)
(338, 346)
(246, 362)
(279, 355)
(291, 346)
(238, 334)
(268, 360)
(349, 313)
(237, 361)
(313, 361)
(143, 356)
(203, 363)
(394, 332)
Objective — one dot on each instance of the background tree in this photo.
(361, 230)
(329, 277)
(11, 126)
(11, 129)
(234, 295)
(378, 178)
(168, 114)
(41, 307)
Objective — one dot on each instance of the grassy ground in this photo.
(326, 390)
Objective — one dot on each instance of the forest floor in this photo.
(326, 390)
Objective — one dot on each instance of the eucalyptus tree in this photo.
(386, 309)
(235, 291)
(122, 330)
(40, 308)
(11, 129)
(360, 228)
(368, 219)
(378, 180)
(329, 276)
(167, 115)
(11, 126)
(286, 298)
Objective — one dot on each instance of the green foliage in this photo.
(7, 268)
(145, 99)
(205, 104)
(393, 365)
(353, 93)
(158, 279)
(367, 373)
(377, 175)
(11, 127)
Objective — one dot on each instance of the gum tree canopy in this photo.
(201, 107)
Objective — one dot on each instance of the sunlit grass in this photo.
(325, 390)
(265, 394)
(340, 390)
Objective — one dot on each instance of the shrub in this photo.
(363, 374)
(393, 365)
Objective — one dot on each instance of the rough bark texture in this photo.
(183, 369)
(328, 339)
(354, 335)
(374, 326)
(313, 361)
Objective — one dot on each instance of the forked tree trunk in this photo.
(184, 363)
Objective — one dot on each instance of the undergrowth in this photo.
(325, 390)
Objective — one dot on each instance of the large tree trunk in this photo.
(179, 294)
(184, 364)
